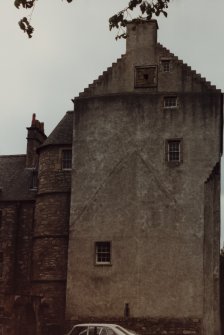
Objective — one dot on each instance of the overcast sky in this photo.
(72, 46)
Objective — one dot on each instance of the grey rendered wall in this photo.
(124, 192)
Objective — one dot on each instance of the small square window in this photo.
(145, 76)
(166, 65)
(103, 253)
(66, 159)
(174, 149)
(170, 102)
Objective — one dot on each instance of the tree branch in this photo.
(148, 8)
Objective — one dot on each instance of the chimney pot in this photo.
(33, 119)
(42, 126)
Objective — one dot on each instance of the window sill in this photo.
(173, 107)
(173, 164)
(103, 264)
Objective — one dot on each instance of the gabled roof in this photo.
(187, 68)
(102, 78)
(15, 179)
(62, 133)
(101, 84)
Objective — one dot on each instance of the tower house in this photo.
(145, 216)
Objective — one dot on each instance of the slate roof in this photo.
(15, 179)
(62, 133)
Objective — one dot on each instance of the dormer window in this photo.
(66, 162)
(145, 76)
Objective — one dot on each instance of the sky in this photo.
(72, 46)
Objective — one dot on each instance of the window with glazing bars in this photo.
(166, 65)
(174, 151)
(66, 159)
(170, 102)
(103, 252)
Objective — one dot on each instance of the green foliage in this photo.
(147, 8)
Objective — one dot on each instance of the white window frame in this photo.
(166, 65)
(170, 102)
(100, 254)
(174, 148)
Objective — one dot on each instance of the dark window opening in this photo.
(34, 181)
(2, 310)
(145, 76)
(1, 264)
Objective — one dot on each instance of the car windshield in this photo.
(98, 330)
(124, 331)
(78, 331)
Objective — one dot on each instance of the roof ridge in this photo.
(193, 72)
(100, 78)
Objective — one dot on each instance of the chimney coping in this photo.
(135, 22)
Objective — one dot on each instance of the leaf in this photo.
(26, 27)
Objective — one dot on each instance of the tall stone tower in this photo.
(50, 235)
(145, 216)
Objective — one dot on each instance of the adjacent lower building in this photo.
(115, 217)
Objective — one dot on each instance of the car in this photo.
(99, 329)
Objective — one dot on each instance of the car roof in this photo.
(96, 324)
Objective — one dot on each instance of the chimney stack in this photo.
(141, 41)
(35, 137)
